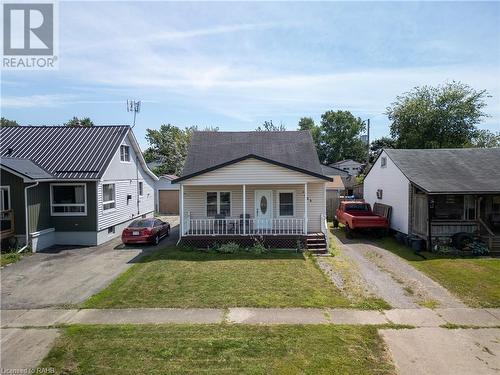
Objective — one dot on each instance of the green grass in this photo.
(474, 280)
(11, 257)
(174, 277)
(219, 349)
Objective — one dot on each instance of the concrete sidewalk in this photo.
(413, 317)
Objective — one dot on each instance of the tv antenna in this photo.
(135, 107)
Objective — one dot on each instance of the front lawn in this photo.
(174, 277)
(219, 349)
(476, 281)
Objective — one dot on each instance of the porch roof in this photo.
(26, 168)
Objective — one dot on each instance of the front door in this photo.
(264, 209)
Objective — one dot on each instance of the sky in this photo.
(235, 65)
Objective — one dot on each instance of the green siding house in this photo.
(71, 185)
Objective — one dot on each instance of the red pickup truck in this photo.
(358, 215)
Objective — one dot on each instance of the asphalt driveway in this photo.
(63, 276)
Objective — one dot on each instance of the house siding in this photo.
(125, 176)
(251, 171)
(395, 187)
(195, 200)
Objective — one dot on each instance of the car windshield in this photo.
(357, 207)
(141, 224)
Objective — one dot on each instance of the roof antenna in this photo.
(135, 107)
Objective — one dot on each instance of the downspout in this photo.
(26, 219)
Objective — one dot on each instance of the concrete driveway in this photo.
(62, 276)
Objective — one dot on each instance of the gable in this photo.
(252, 171)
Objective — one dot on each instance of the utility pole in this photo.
(368, 142)
(135, 107)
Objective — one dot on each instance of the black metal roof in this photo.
(290, 149)
(461, 170)
(26, 168)
(64, 152)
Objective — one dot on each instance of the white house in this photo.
(350, 166)
(72, 185)
(239, 185)
(437, 193)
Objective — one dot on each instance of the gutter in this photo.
(26, 220)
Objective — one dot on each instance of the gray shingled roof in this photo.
(290, 148)
(65, 152)
(463, 170)
(27, 168)
(333, 171)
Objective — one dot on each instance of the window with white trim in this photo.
(285, 203)
(125, 153)
(68, 200)
(218, 202)
(141, 189)
(5, 198)
(108, 197)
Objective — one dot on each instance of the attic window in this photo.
(383, 162)
(125, 153)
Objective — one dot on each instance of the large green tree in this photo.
(6, 122)
(437, 117)
(485, 139)
(75, 121)
(307, 123)
(378, 144)
(168, 146)
(340, 137)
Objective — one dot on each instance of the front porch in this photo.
(279, 215)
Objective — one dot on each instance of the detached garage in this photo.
(167, 195)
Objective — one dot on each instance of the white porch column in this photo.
(305, 208)
(182, 210)
(244, 208)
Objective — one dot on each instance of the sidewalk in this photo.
(412, 317)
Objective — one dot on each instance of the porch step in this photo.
(316, 243)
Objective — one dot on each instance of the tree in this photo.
(340, 137)
(307, 123)
(84, 122)
(268, 126)
(486, 139)
(378, 144)
(6, 122)
(169, 146)
(437, 117)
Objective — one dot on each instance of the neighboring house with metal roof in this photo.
(72, 185)
(236, 186)
(437, 193)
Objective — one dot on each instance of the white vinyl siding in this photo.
(251, 171)
(195, 200)
(395, 191)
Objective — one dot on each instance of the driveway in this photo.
(63, 276)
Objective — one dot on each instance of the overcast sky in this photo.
(234, 65)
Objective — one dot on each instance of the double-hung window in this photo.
(125, 153)
(218, 202)
(141, 188)
(108, 197)
(286, 203)
(68, 200)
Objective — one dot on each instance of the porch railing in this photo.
(240, 226)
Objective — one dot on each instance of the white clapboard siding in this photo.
(395, 191)
(251, 171)
(195, 200)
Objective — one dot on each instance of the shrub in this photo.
(228, 248)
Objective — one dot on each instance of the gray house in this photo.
(71, 185)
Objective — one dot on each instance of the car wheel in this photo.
(335, 223)
(157, 239)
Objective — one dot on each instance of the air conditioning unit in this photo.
(379, 193)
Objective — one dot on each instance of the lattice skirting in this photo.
(276, 242)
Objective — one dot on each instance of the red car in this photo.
(149, 230)
(357, 215)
